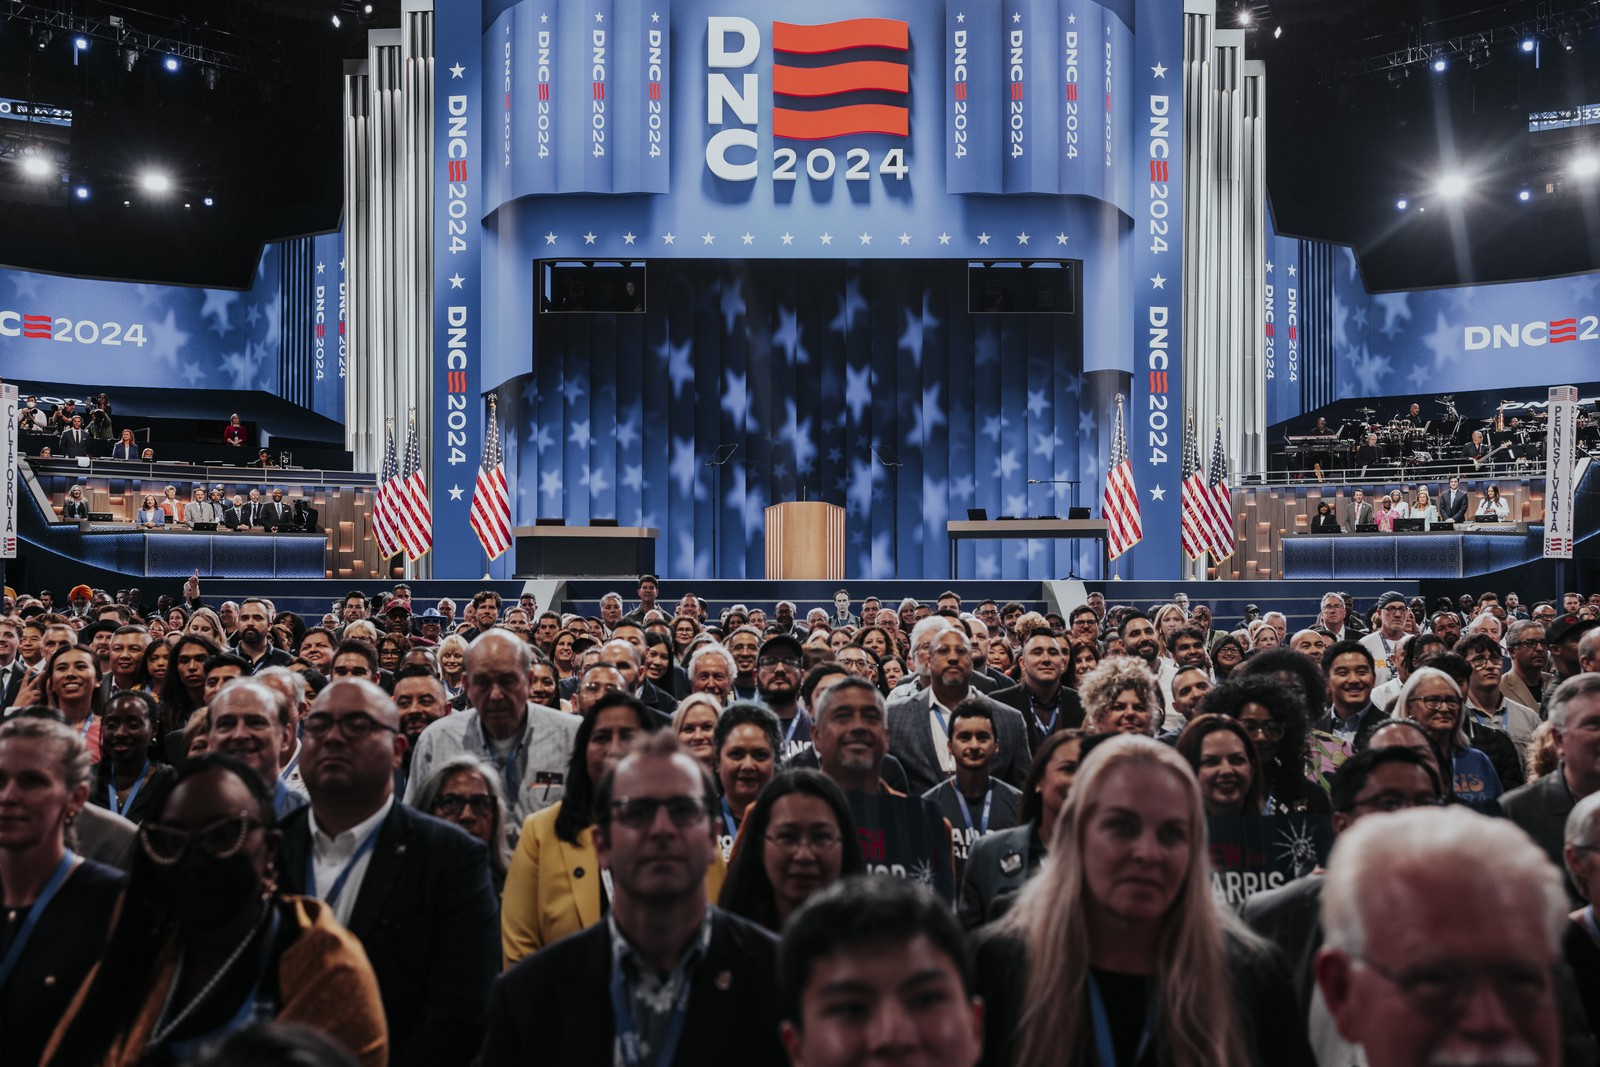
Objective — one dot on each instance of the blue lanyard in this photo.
(283, 776)
(966, 812)
(727, 817)
(84, 731)
(794, 724)
(1589, 923)
(628, 1032)
(41, 902)
(138, 783)
(933, 706)
(332, 899)
(1047, 728)
(1105, 1048)
(508, 766)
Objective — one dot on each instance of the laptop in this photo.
(1408, 524)
(977, 514)
(1366, 527)
(1078, 513)
(202, 527)
(1486, 517)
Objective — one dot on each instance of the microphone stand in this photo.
(891, 463)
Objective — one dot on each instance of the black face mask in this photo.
(204, 893)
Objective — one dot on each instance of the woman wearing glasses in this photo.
(1432, 699)
(1274, 717)
(468, 792)
(205, 943)
(54, 905)
(798, 837)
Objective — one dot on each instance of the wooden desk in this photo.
(1029, 529)
(585, 551)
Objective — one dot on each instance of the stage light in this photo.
(36, 167)
(1277, 32)
(81, 43)
(82, 192)
(1244, 16)
(1452, 186)
(210, 75)
(336, 22)
(1401, 204)
(155, 182)
(130, 56)
(367, 9)
(1440, 64)
(1525, 195)
(208, 201)
(171, 63)
(42, 39)
(1585, 166)
(1527, 44)
(1567, 41)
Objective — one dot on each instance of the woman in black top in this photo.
(1274, 716)
(130, 765)
(1325, 520)
(55, 908)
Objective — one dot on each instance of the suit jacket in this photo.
(1453, 506)
(273, 514)
(1359, 514)
(427, 916)
(74, 442)
(1541, 808)
(8, 692)
(997, 866)
(230, 517)
(122, 451)
(1290, 916)
(911, 741)
(1070, 706)
(555, 1006)
(1516, 689)
(199, 511)
(75, 509)
(250, 513)
(840, 621)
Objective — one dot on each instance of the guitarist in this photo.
(1476, 450)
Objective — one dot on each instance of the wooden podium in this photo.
(805, 539)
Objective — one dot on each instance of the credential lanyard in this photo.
(48, 893)
(1105, 1048)
(727, 818)
(332, 899)
(794, 724)
(138, 783)
(628, 1032)
(966, 812)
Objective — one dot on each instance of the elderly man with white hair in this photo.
(1442, 942)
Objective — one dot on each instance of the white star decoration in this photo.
(944, 238)
(1159, 71)
(320, 267)
(787, 238)
(588, 238)
(667, 238)
(550, 238)
(708, 238)
(961, 16)
(599, 16)
(905, 238)
(827, 238)
(455, 492)
(748, 238)
(1061, 238)
(1158, 282)
(457, 71)
(627, 238)
(983, 238)
(1022, 238)
(866, 238)
(456, 280)
(1157, 493)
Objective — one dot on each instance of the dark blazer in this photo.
(1290, 916)
(891, 774)
(1071, 706)
(75, 509)
(1453, 506)
(14, 685)
(430, 923)
(231, 517)
(74, 442)
(275, 514)
(997, 866)
(122, 451)
(555, 1005)
(1541, 808)
(912, 742)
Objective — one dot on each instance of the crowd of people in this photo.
(1392, 511)
(940, 832)
(67, 430)
(205, 510)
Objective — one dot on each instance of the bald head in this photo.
(356, 693)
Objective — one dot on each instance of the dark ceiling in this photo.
(1346, 137)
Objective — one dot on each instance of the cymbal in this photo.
(1367, 411)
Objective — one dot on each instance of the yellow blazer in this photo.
(553, 887)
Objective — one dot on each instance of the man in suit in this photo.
(1044, 700)
(413, 889)
(1453, 502)
(1541, 807)
(274, 512)
(232, 512)
(75, 506)
(919, 724)
(74, 439)
(12, 669)
(841, 611)
(199, 509)
(1360, 512)
(666, 978)
(250, 510)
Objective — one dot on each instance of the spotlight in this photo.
(1398, 76)
(82, 192)
(1567, 41)
(36, 167)
(1440, 64)
(155, 182)
(1400, 205)
(209, 75)
(1527, 44)
(130, 56)
(81, 43)
(1524, 195)
(208, 202)
(1244, 16)
(366, 9)
(336, 22)
(42, 39)
(1452, 186)
(1277, 31)
(1585, 166)
(171, 63)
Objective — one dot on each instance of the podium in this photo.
(805, 539)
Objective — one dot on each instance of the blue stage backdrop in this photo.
(738, 150)
(283, 335)
(1417, 343)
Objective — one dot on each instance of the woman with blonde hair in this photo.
(1116, 952)
(453, 664)
(207, 624)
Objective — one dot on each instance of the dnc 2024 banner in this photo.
(981, 131)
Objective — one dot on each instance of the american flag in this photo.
(1219, 505)
(416, 517)
(1194, 490)
(491, 500)
(383, 517)
(1120, 506)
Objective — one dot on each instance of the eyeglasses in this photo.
(1443, 991)
(1483, 660)
(778, 661)
(600, 687)
(356, 725)
(1390, 801)
(639, 813)
(1270, 730)
(820, 841)
(1531, 642)
(166, 845)
(1439, 703)
(451, 804)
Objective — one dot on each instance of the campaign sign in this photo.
(1250, 854)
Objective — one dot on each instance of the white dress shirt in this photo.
(330, 856)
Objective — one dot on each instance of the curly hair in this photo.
(1115, 675)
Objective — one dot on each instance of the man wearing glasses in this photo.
(666, 978)
(1530, 655)
(413, 889)
(1422, 966)
(531, 744)
(1392, 615)
(1488, 705)
(1541, 807)
(1374, 781)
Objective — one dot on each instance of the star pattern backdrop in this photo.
(807, 367)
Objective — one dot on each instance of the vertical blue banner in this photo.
(1029, 158)
(500, 57)
(598, 57)
(1155, 417)
(642, 74)
(975, 78)
(328, 345)
(535, 90)
(1120, 134)
(1080, 130)
(454, 431)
